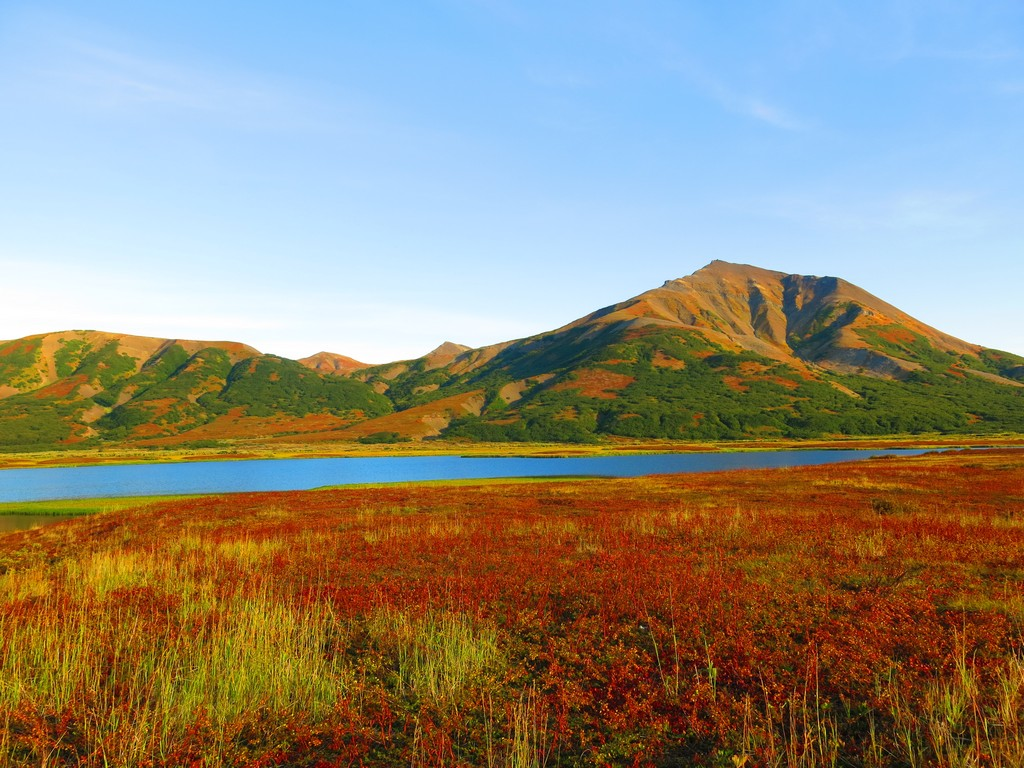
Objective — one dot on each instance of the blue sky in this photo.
(373, 178)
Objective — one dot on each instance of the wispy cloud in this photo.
(43, 295)
(958, 30)
(920, 209)
(753, 107)
(72, 63)
(114, 77)
(771, 114)
(910, 210)
(983, 53)
(505, 11)
(750, 105)
(111, 78)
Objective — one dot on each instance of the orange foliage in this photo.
(735, 383)
(661, 360)
(598, 383)
(649, 621)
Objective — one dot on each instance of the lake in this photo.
(206, 477)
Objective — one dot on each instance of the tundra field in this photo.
(865, 614)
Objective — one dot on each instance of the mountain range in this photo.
(729, 352)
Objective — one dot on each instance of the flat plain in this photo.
(863, 614)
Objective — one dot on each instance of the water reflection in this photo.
(26, 522)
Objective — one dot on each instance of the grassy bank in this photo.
(864, 614)
(249, 449)
(78, 507)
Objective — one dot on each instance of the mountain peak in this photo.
(449, 348)
(721, 268)
(444, 354)
(329, 362)
(822, 321)
(718, 271)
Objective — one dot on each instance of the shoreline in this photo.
(122, 455)
(98, 500)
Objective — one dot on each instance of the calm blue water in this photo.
(301, 474)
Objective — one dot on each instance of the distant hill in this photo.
(75, 387)
(732, 351)
(328, 362)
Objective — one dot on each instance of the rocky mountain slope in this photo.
(732, 351)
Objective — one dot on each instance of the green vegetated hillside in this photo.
(82, 387)
(672, 384)
(731, 351)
